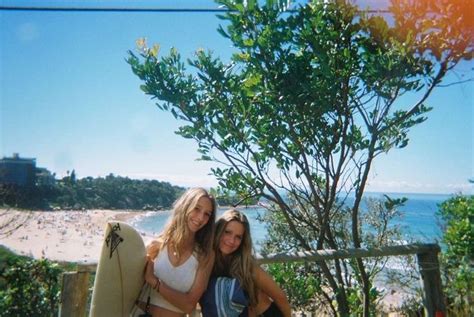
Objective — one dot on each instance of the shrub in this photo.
(32, 288)
(458, 258)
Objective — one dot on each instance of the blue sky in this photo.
(69, 99)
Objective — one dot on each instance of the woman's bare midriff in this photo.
(156, 311)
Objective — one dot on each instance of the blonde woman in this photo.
(234, 258)
(181, 259)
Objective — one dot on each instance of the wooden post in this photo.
(431, 282)
(74, 294)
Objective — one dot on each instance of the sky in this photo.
(69, 99)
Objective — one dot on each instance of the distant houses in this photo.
(21, 171)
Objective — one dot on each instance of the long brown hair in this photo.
(177, 231)
(241, 263)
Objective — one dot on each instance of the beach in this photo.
(65, 236)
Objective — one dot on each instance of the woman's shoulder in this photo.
(258, 272)
(156, 243)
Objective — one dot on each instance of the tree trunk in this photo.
(341, 298)
(355, 226)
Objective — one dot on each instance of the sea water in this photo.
(155, 221)
(419, 221)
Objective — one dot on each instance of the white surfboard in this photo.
(119, 277)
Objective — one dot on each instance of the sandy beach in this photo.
(69, 236)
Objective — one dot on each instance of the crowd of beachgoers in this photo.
(66, 236)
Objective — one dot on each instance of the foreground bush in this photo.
(31, 288)
(458, 259)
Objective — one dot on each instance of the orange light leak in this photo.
(448, 23)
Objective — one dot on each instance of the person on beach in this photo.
(180, 260)
(235, 262)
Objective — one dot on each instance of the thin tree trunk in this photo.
(355, 228)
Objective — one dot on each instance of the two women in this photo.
(183, 257)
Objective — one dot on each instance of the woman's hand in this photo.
(153, 248)
(150, 277)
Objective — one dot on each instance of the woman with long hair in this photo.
(180, 260)
(234, 259)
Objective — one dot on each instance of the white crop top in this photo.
(180, 278)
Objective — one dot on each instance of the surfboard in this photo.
(119, 276)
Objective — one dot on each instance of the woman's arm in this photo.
(266, 284)
(185, 301)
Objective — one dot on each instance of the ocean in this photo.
(419, 221)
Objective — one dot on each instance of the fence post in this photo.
(431, 281)
(74, 294)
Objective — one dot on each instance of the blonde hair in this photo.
(241, 263)
(177, 231)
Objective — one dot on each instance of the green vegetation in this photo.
(110, 192)
(28, 287)
(226, 199)
(300, 283)
(458, 258)
(307, 102)
(304, 282)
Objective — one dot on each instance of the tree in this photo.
(309, 99)
(111, 192)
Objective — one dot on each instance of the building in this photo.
(44, 177)
(21, 171)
